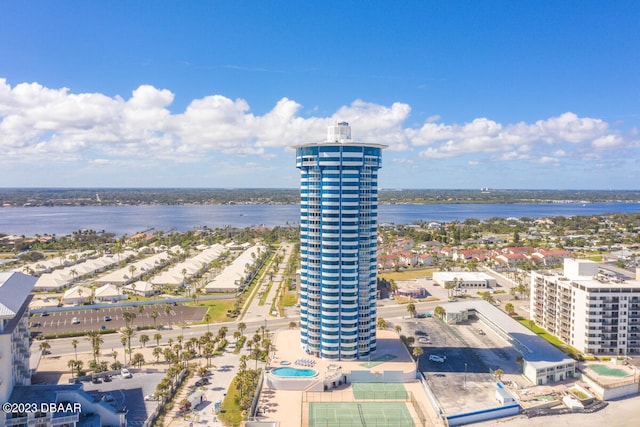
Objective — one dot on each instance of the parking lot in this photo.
(461, 382)
(128, 393)
(112, 318)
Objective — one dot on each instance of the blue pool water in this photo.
(294, 372)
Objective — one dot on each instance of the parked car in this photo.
(436, 358)
(75, 321)
(107, 318)
(424, 340)
(125, 373)
(44, 314)
(151, 397)
(202, 381)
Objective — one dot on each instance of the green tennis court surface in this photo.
(359, 414)
(379, 391)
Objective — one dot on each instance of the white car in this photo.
(75, 321)
(424, 340)
(151, 397)
(125, 373)
(436, 358)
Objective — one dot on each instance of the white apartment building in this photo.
(589, 309)
(43, 405)
(15, 296)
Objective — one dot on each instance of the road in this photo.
(63, 346)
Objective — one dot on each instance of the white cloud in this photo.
(39, 123)
(547, 159)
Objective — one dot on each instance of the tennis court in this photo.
(359, 414)
(379, 391)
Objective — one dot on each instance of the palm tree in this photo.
(241, 327)
(222, 333)
(72, 365)
(292, 324)
(382, 324)
(207, 319)
(398, 328)
(96, 339)
(128, 333)
(411, 308)
(138, 359)
(123, 341)
(128, 317)
(509, 308)
(154, 316)
(208, 351)
(439, 312)
(132, 269)
(144, 339)
(451, 285)
(157, 352)
(498, 374)
(157, 337)
(417, 352)
(74, 343)
(44, 347)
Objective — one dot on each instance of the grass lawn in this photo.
(289, 299)
(218, 309)
(230, 412)
(565, 348)
(406, 274)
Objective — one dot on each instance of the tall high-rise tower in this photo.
(338, 244)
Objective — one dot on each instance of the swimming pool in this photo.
(293, 372)
(611, 372)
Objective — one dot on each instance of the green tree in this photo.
(157, 337)
(44, 347)
(157, 352)
(128, 333)
(144, 339)
(411, 308)
(417, 352)
(509, 307)
(154, 316)
(138, 360)
(74, 343)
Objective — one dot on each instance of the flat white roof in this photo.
(536, 351)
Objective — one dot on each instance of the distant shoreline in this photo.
(43, 197)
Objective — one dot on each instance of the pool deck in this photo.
(287, 348)
(285, 406)
(607, 380)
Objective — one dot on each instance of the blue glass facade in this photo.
(338, 245)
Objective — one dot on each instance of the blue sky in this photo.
(503, 94)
